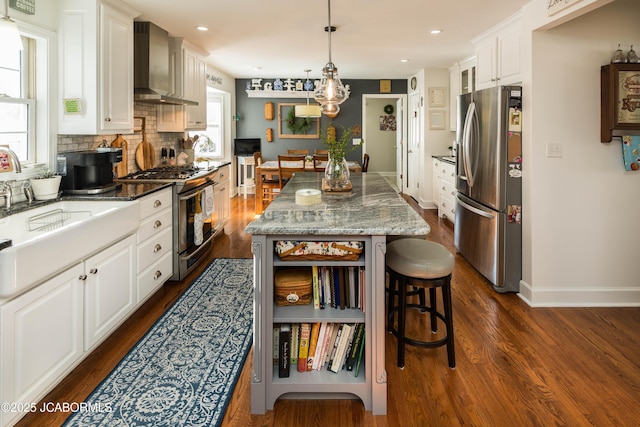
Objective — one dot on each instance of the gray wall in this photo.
(252, 123)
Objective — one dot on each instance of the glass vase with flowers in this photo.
(336, 174)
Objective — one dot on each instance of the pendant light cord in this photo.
(328, 28)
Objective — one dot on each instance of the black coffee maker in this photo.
(88, 172)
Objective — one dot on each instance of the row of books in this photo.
(338, 287)
(316, 346)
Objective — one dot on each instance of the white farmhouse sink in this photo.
(51, 238)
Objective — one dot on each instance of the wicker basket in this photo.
(289, 250)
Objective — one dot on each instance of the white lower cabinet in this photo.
(40, 340)
(444, 191)
(155, 243)
(109, 291)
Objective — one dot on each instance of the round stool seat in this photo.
(420, 259)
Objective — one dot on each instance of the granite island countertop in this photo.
(372, 208)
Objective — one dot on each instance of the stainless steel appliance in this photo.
(191, 184)
(88, 172)
(488, 229)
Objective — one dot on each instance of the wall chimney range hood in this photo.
(151, 66)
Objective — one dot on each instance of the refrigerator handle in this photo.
(474, 209)
(466, 142)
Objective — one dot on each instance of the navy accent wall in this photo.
(252, 123)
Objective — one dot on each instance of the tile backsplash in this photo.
(158, 140)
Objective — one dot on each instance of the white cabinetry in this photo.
(109, 290)
(187, 80)
(444, 191)
(498, 55)
(462, 79)
(221, 201)
(95, 67)
(45, 332)
(155, 243)
(40, 339)
(195, 89)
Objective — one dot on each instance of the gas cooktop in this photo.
(167, 174)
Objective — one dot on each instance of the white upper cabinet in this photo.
(462, 79)
(195, 89)
(498, 55)
(187, 77)
(95, 67)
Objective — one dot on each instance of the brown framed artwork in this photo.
(620, 99)
(290, 126)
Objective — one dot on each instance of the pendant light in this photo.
(310, 111)
(331, 93)
(9, 33)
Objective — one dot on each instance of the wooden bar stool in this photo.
(419, 264)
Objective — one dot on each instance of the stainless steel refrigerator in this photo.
(488, 227)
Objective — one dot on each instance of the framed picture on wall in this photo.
(436, 96)
(437, 119)
(290, 126)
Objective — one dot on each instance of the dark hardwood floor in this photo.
(516, 365)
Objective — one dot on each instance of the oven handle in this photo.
(201, 247)
(191, 194)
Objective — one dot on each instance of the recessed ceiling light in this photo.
(436, 31)
(202, 28)
(404, 60)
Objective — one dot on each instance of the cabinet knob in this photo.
(107, 119)
(93, 271)
(444, 205)
(157, 224)
(444, 188)
(82, 277)
(157, 275)
(157, 204)
(157, 248)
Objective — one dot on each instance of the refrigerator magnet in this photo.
(515, 120)
(514, 214)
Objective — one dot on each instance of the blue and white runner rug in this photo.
(184, 370)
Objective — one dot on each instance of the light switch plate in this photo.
(554, 149)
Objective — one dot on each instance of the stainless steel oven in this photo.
(195, 233)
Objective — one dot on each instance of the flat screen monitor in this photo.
(246, 146)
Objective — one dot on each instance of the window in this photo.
(211, 141)
(17, 104)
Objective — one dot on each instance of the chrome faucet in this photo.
(14, 158)
(7, 192)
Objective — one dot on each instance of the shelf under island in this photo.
(367, 215)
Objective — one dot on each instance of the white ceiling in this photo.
(281, 38)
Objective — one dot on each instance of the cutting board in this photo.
(121, 169)
(145, 154)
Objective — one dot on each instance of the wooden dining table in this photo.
(269, 169)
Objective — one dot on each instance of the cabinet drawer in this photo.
(447, 172)
(447, 190)
(154, 276)
(155, 202)
(154, 225)
(448, 208)
(154, 248)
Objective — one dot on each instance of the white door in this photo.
(400, 142)
(413, 147)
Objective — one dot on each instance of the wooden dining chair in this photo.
(270, 185)
(288, 166)
(297, 152)
(318, 159)
(323, 152)
(365, 163)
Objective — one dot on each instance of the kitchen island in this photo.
(368, 214)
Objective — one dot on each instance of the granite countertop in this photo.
(127, 192)
(373, 208)
(448, 159)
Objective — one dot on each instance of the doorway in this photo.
(383, 131)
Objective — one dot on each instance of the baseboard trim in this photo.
(579, 297)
